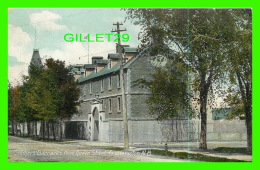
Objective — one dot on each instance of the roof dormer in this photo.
(129, 53)
(89, 68)
(113, 60)
(99, 63)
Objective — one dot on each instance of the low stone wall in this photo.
(226, 130)
(51, 130)
(140, 131)
(174, 131)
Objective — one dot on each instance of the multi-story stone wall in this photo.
(101, 110)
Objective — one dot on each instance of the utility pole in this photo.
(121, 75)
(35, 39)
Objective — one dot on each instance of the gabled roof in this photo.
(92, 66)
(130, 50)
(97, 57)
(102, 72)
(77, 70)
(113, 56)
(105, 71)
(104, 62)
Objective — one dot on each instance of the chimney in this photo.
(79, 70)
(100, 64)
(129, 53)
(89, 68)
(95, 58)
(113, 59)
(122, 46)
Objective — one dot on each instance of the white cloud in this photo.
(19, 44)
(20, 47)
(15, 73)
(70, 52)
(46, 20)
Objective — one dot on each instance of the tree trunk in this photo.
(28, 129)
(61, 136)
(203, 131)
(35, 129)
(43, 130)
(203, 111)
(16, 131)
(23, 129)
(249, 127)
(246, 94)
(177, 133)
(48, 130)
(249, 135)
(53, 130)
(205, 83)
(13, 127)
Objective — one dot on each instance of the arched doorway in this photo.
(96, 123)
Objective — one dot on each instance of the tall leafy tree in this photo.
(68, 91)
(13, 105)
(49, 93)
(199, 37)
(54, 93)
(10, 107)
(240, 69)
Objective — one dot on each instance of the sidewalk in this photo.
(190, 147)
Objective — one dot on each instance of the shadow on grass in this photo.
(194, 156)
(39, 138)
(115, 148)
(231, 150)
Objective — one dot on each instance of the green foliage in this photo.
(208, 41)
(168, 88)
(14, 97)
(194, 156)
(240, 70)
(235, 102)
(230, 150)
(46, 94)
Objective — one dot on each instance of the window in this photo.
(102, 85)
(110, 105)
(90, 88)
(118, 104)
(110, 83)
(118, 81)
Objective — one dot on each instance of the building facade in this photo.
(100, 117)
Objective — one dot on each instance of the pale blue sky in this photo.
(51, 24)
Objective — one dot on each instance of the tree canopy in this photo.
(49, 93)
(203, 39)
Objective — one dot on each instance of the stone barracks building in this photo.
(100, 115)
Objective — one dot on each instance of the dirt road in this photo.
(27, 150)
